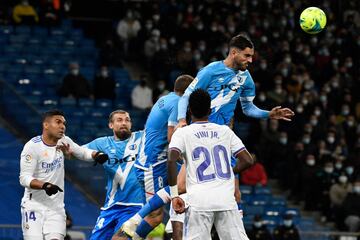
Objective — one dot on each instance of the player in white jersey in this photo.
(207, 149)
(42, 175)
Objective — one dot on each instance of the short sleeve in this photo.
(177, 142)
(93, 145)
(248, 88)
(172, 120)
(28, 164)
(236, 144)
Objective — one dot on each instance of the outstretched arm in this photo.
(251, 110)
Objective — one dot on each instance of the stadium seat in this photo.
(260, 199)
(246, 189)
(253, 210)
(86, 102)
(278, 201)
(274, 210)
(262, 190)
(65, 101)
(293, 211)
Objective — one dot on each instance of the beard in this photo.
(242, 66)
(122, 134)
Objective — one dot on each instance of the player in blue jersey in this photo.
(124, 195)
(151, 162)
(227, 81)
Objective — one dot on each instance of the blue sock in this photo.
(157, 201)
(143, 229)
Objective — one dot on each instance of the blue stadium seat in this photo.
(253, 210)
(260, 199)
(262, 190)
(103, 103)
(65, 101)
(278, 201)
(86, 102)
(293, 211)
(39, 31)
(246, 198)
(246, 189)
(23, 29)
(274, 210)
(271, 221)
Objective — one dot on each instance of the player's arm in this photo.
(244, 161)
(83, 153)
(251, 110)
(28, 164)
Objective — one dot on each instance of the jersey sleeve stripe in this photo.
(250, 99)
(172, 124)
(175, 149)
(238, 151)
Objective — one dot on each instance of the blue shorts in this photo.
(153, 179)
(110, 220)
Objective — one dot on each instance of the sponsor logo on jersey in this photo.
(49, 167)
(113, 151)
(132, 147)
(194, 82)
(28, 158)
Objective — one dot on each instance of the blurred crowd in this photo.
(316, 157)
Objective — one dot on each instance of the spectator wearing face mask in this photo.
(351, 208)
(159, 91)
(349, 171)
(287, 230)
(338, 193)
(104, 85)
(326, 177)
(307, 187)
(141, 95)
(74, 84)
(282, 156)
(259, 231)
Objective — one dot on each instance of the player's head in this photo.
(120, 123)
(199, 104)
(53, 122)
(181, 83)
(241, 51)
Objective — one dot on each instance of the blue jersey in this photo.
(225, 86)
(123, 187)
(153, 150)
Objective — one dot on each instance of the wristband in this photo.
(174, 191)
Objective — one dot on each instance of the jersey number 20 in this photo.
(216, 157)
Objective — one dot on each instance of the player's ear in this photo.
(111, 125)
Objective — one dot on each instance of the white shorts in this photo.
(38, 223)
(228, 224)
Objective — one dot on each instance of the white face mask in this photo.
(317, 112)
(262, 97)
(331, 140)
(287, 223)
(258, 224)
(328, 169)
(161, 87)
(349, 170)
(310, 162)
(104, 73)
(338, 165)
(306, 140)
(357, 189)
(313, 122)
(75, 71)
(343, 179)
(283, 140)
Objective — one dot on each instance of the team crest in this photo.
(28, 158)
(132, 147)
(241, 79)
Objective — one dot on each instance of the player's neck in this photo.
(194, 120)
(229, 63)
(48, 140)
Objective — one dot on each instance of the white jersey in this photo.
(207, 148)
(46, 163)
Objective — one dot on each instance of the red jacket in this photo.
(254, 175)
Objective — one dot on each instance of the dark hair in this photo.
(51, 113)
(241, 42)
(199, 103)
(115, 112)
(182, 82)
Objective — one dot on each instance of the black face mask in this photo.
(142, 83)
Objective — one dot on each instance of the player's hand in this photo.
(51, 189)
(178, 205)
(65, 148)
(182, 123)
(101, 158)
(281, 113)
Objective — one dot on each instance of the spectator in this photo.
(151, 46)
(309, 190)
(49, 13)
(338, 193)
(104, 85)
(141, 95)
(24, 13)
(109, 54)
(351, 208)
(286, 231)
(159, 91)
(255, 175)
(74, 84)
(127, 30)
(259, 230)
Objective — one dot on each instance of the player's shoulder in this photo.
(34, 142)
(211, 67)
(36, 139)
(137, 134)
